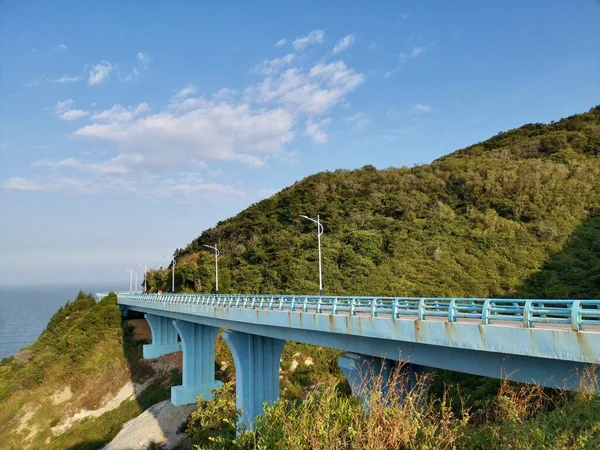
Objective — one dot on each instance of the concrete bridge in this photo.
(546, 342)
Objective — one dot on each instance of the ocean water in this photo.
(26, 310)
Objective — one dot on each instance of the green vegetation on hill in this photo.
(478, 222)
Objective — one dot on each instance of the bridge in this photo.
(546, 342)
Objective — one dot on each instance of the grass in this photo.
(519, 416)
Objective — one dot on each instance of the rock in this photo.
(159, 424)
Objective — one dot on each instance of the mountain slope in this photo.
(478, 222)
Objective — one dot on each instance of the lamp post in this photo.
(130, 279)
(145, 270)
(217, 253)
(319, 233)
(173, 274)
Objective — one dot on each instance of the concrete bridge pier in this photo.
(164, 337)
(256, 372)
(366, 372)
(198, 344)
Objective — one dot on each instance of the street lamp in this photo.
(130, 279)
(173, 275)
(145, 270)
(319, 233)
(217, 253)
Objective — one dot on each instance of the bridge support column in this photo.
(164, 337)
(363, 372)
(198, 344)
(256, 372)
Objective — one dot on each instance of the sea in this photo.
(26, 310)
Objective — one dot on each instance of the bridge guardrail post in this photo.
(293, 304)
(576, 324)
(485, 312)
(528, 314)
(353, 307)
(395, 308)
(280, 303)
(305, 305)
(271, 304)
(421, 310)
(319, 302)
(374, 307)
(334, 307)
(452, 310)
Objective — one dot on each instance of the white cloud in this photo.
(358, 120)
(280, 43)
(270, 66)
(184, 93)
(196, 129)
(421, 108)
(224, 94)
(71, 185)
(314, 92)
(118, 113)
(60, 47)
(20, 184)
(188, 185)
(314, 37)
(144, 59)
(133, 75)
(314, 131)
(404, 57)
(44, 79)
(100, 72)
(64, 110)
(343, 44)
(73, 114)
(416, 51)
(207, 131)
(66, 79)
(199, 190)
(391, 72)
(68, 162)
(113, 166)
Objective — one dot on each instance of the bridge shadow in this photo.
(573, 272)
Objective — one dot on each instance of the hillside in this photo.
(79, 382)
(514, 215)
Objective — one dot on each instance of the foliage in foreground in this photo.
(519, 416)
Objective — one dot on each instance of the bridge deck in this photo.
(577, 315)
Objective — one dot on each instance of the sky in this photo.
(128, 128)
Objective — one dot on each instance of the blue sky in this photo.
(127, 128)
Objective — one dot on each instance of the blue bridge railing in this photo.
(578, 314)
